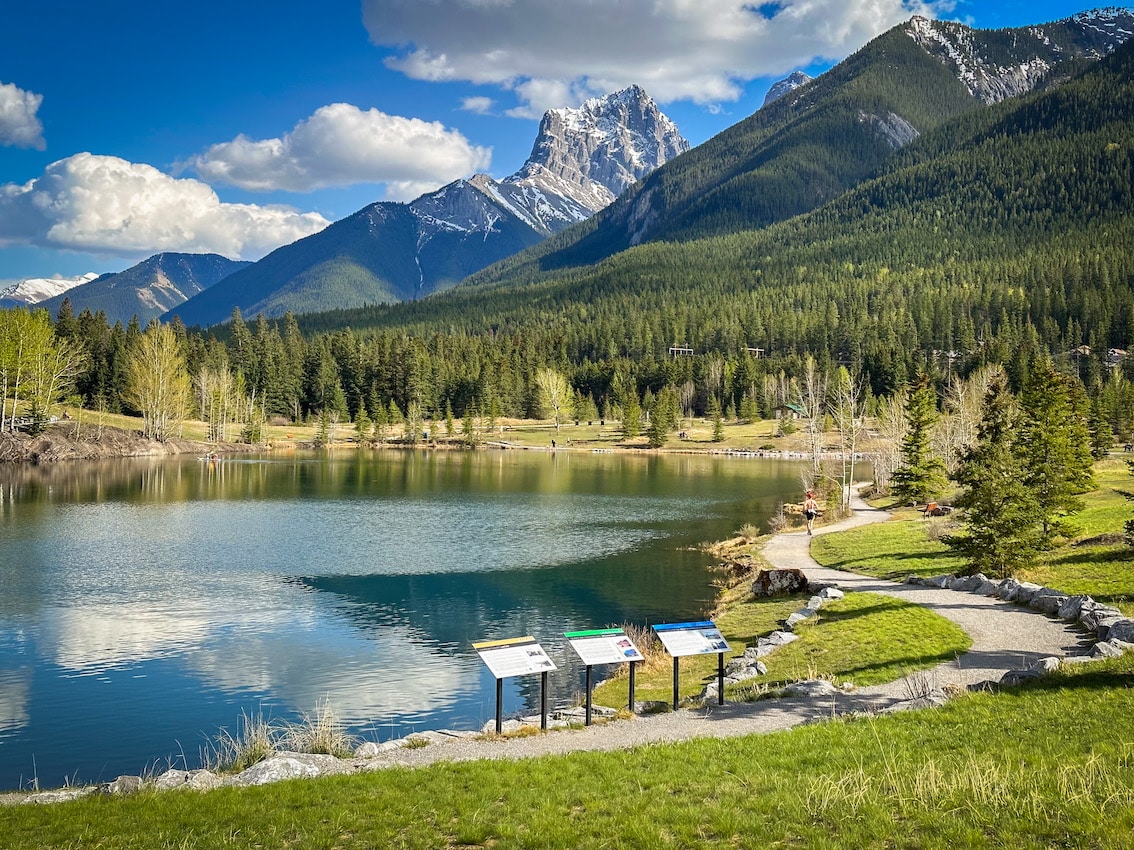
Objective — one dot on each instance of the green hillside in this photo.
(1005, 230)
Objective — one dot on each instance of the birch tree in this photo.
(157, 381)
(554, 395)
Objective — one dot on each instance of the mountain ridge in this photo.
(148, 289)
(818, 140)
(580, 159)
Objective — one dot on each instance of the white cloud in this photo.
(697, 50)
(104, 204)
(19, 125)
(341, 145)
(479, 105)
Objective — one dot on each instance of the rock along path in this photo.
(1005, 637)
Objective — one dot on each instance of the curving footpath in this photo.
(1006, 637)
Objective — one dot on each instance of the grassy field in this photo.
(942, 778)
(865, 639)
(1095, 561)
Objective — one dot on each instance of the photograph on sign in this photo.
(701, 638)
(603, 646)
(514, 657)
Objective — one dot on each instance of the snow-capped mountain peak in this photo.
(612, 141)
(33, 290)
(786, 85)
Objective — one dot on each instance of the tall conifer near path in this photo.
(922, 473)
(1004, 517)
(1055, 445)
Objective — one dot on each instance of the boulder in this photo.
(123, 785)
(203, 780)
(811, 688)
(1110, 649)
(1122, 630)
(800, 616)
(779, 582)
(831, 593)
(1071, 608)
(283, 766)
(1090, 616)
(171, 779)
(987, 588)
(1047, 600)
(1008, 590)
(1025, 591)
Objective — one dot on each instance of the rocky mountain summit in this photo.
(785, 86)
(582, 159)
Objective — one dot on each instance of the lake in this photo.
(148, 603)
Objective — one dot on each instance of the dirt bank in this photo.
(69, 441)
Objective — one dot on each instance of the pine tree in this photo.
(717, 418)
(1004, 527)
(1054, 445)
(922, 473)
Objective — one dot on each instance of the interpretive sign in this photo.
(702, 638)
(603, 646)
(514, 657)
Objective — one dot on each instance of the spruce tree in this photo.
(1004, 519)
(922, 473)
(1055, 445)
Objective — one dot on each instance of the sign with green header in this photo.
(603, 646)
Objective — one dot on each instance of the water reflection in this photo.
(149, 601)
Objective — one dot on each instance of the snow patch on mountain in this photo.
(582, 159)
(996, 65)
(785, 86)
(33, 290)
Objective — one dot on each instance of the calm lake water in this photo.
(145, 604)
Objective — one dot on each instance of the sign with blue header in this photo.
(702, 638)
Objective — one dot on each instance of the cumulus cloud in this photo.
(342, 145)
(697, 50)
(19, 125)
(104, 204)
(479, 105)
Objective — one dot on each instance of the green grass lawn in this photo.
(1095, 562)
(865, 639)
(941, 778)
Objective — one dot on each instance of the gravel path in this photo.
(1005, 637)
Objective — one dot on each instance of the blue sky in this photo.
(129, 127)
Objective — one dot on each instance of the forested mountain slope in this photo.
(827, 136)
(1001, 233)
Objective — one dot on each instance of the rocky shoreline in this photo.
(70, 441)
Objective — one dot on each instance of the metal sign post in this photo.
(515, 657)
(700, 638)
(604, 646)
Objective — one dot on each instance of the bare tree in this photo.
(964, 400)
(848, 413)
(157, 381)
(892, 426)
(811, 396)
(555, 395)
